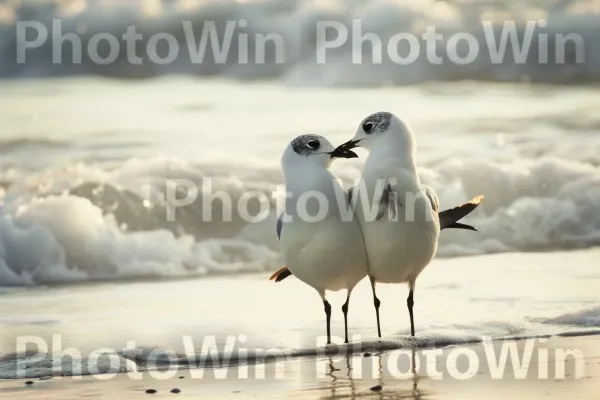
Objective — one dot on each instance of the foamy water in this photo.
(83, 177)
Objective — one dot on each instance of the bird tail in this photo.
(281, 274)
(449, 218)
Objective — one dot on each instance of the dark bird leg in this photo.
(345, 311)
(377, 304)
(328, 313)
(410, 303)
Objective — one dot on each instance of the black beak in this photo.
(343, 152)
(345, 149)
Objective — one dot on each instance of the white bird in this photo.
(398, 215)
(321, 241)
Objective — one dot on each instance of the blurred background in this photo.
(295, 21)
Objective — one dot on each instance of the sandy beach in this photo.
(285, 321)
(330, 378)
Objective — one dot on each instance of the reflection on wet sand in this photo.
(343, 383)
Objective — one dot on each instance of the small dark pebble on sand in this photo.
(151, 391)
(376, 388)
(181, 377)
(175, 390)
(29, 383)
(367, 354)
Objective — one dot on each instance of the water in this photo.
(86, 250)
(83, 176)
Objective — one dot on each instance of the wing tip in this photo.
(477, 199)
(280, 274)
(458, 225)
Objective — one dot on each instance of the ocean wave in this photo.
(84, 222)
(534, 205)
(296, 21)
(66, 238)
(19, 144)
(588, 316)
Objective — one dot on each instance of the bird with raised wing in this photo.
(399, 216)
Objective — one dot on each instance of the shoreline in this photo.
(355, 376)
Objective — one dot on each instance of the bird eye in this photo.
(313, 144)
(368, 126)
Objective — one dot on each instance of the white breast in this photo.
(398, 247)
(328, 254)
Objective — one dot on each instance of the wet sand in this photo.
(359, 376)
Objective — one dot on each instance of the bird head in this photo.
(314, 149)
(381, 129)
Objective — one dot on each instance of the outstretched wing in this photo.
(281, 274)
(449, 218)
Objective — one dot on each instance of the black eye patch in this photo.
(377, 123)
(306, 144)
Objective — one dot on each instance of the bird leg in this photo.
(345, 311)
(410, 303)
(377, 304)
(328, 313)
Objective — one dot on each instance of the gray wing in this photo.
(279, 226)
(433, 197)
(388, 204)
